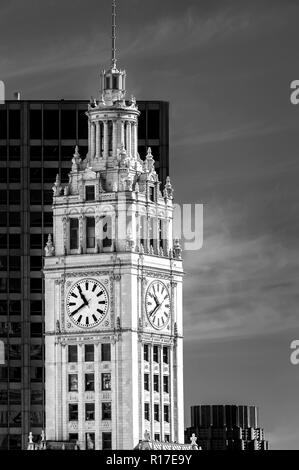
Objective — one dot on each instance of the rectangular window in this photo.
(14, 152)
(146, 382)
(74, 234)
(166, 413)
(36, 307)
(152, 194)
(68, 124)
(89, 382)
(156, 353)
(166, 384)
(73, 412)
(3, 124)
(14, 219)
(89, 440)
(142, 125)
(36, 352)
(166, 437)
(157, 437)
(36, 374)
(73, 437)
(165, 354)
(89, 193)
(51, 124)
(72, 353)
(35, 197)
(142, 231)
(14, 175)
(35, 120)
(51, 154)
(156, 383)
(3, 240)
(14, 196)
(151, 231)
(160, 233)
(36, 219)
(89, 411)
(48, 219)
(90, 232)
(3, 263)
(35, 153)
(147, 411)
(50, 175)
(145, 352)
(15, 285)
(82, 124)
(89, 352)
(153, 124)
(36, 285)
(15, 307)
(36, 240)
(106, 382)
(3, 196)
(14, 124)
(156, 412)
(73, 383)
(106, 411)
(14, 263)
(35, 175)
(36, 330)
(106, 440)
(106, 352)
(35, 263)
(107, 232)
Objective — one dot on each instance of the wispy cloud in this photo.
(239, 286)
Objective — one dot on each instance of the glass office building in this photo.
(37, 140)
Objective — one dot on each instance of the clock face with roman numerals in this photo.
(87, 303)
(157, 304)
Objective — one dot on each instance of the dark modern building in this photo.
(226, 427)
(37, 140)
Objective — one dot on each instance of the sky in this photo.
(225, 66)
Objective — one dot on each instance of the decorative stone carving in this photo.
(76, 160)
(49, 248)
(177, 249)
(57, 188)
(168, 189)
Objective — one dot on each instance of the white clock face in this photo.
(157, 304)
(87, 303)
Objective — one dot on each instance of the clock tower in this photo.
(113, 289)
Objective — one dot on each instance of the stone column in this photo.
(134, 140)
(129, 140)
(114, 139)
(98, 140)
(106, 143)
(92, 140)
(122, 133)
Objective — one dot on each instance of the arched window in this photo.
(110, 133)
(74, 234)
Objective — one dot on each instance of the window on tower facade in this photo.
(89, 352)
(72, 353)
(107, 232)
(166, 384)
(145, 352)
(106, 352)
(35, 123)
(73, 383)
(146, 382)
(160, 233)
(165, 354)
(106, 410)
(151, 194)
(156, 383)
(110, 135)
(89, 411)
(142, 230)
(73, 437)
(74, 234)
(157, 437)
(90, 193)
(90, 232)
(166, 437)
(73, 412)
(166, 413)
(156, 412)
(151, 231)
(156, 353)
(146, 411)
(89, 382)
(106, 382)
(106, 441)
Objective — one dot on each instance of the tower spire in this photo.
(113, 34)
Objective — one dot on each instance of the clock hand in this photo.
(82, 296)
(78, 309)
(155, 310)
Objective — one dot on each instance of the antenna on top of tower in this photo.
(113, 34)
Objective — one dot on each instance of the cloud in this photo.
(239, 285)
(233, 133)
